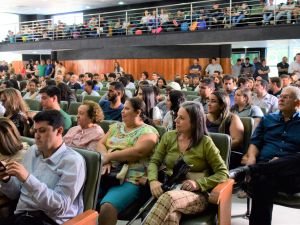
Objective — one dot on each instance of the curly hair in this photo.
(94, 111)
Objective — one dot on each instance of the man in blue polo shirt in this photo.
(273, 157)
(113, 107)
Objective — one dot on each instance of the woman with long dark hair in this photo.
(146, 93)
(174, 99)
(220, 120)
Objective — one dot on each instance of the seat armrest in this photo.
(221, 195)
(89, 217)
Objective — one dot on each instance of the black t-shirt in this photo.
(282, 66)
(195, 69)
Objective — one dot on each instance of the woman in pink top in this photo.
(87, 134)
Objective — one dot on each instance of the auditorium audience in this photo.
(132, 142)
(87, 133)
(190, 139)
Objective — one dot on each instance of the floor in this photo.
(281, 215)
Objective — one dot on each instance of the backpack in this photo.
(184, 26)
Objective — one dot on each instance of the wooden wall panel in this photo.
(167, 67)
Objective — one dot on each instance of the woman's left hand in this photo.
(190, 185)
(106, 158)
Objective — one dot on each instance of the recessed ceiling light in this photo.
(87, 7)
(34, 52)
(121, 3)
(246, 47)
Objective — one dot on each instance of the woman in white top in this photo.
(147, 94)
(174, 99)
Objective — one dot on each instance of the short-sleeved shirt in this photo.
(249, 111)
(118, 139)
(42, 70)
(282, 66)
(109, 113)
(264, 76)
(195, 69)
(49, 69)
(210, 69)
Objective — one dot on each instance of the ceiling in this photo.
(48, 7)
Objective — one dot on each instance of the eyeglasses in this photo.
(285, 97)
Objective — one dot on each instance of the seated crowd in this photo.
(46, 180)
(212, 15)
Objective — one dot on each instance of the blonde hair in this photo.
(14, 102)
(94, 111)
(10, 139)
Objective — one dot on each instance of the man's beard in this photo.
(112, 99)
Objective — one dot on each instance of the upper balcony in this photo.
(201, 22)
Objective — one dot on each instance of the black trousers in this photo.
(267, 179)
(28, 218)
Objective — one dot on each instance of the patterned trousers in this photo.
(169, 207)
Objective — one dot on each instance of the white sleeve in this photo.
(156, 115)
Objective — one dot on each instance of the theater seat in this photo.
(33, 104)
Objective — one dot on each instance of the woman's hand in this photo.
(155, 187)
(106, 158)
(106, 169)
(190, 185)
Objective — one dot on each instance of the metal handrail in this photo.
(127, 22)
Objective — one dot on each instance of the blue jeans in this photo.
(282, 13)
(267, 17)
(236, 19)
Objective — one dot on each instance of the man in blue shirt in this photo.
(49, 69)
(49, 182)
(113, 107)
(273, 157)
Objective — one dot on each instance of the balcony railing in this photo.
(185, 17)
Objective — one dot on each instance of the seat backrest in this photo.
(64, 105)
(93, 176)
(248, 123)
(104, 124)
(92, 98)
(73, 109)
(191, 97)
(33, 104)
(223, 143)
(161, 130)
